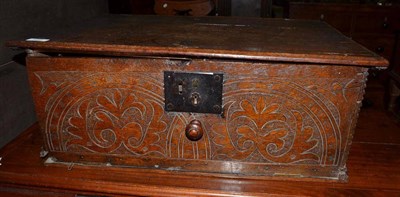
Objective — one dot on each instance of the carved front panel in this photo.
(273, 114)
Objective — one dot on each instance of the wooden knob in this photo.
(194, 130)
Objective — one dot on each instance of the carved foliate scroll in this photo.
(266, 120)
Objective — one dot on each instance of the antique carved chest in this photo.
(258, 98)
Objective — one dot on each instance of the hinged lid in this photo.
(210, 37)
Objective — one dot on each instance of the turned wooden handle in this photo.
(194, 130)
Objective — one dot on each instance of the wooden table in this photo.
(373, 170)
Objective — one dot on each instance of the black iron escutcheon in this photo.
(193, 92)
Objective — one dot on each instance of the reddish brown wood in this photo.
(375, 27)
(373, 167)
(82, 105)
(382, 44)
(194, 130)
(281, 118)
(211, 37)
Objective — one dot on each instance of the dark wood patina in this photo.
(291, 95)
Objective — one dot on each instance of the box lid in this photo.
(259, 39)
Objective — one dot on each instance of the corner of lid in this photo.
(34, 53)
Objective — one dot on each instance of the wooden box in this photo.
(291, 95)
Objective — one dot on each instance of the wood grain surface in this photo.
(211, 37)
(279, 120)
(291, 96)
(373, 170)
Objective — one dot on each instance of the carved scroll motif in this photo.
(96, 114)
(266, 120)
(277, 120)
(116, 121)
(262, 132)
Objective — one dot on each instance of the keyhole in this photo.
(180, 88)
(195, 99)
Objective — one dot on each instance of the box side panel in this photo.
(278, 119)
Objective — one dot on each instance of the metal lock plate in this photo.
(193, 92)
